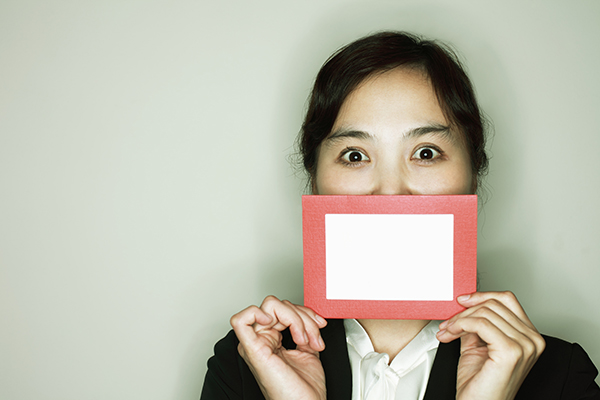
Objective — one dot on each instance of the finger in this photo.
(497, 339)
(508, 353)
(505, 320)
(498, 308)
(484, 313)
(321, 322)
(312, 329)
(243, 322)
(507, 298)
(286, 316)
(495, 331)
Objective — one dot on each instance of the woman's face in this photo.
(391, 137)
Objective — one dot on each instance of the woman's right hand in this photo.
(282, 373)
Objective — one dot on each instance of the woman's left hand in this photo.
(499, 345)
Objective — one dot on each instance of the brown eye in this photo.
(354, 156)
(426, 153)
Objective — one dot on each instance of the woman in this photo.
(393, 114)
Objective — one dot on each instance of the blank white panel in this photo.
(389, 256)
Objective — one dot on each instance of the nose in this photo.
(392, 180)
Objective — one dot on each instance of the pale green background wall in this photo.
(146, 196)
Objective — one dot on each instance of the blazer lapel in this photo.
(335, 361)
(442, 380)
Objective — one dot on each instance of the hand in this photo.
(282, 373)
(499, 345)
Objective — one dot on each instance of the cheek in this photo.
(320, 184)
(466, 179)
(459, 185)
(455, 181)
(335, 181)
(327, 182)
(447, 178)
(456, 176)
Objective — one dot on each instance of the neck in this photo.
(391, 336)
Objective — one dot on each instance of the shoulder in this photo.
(563, 371)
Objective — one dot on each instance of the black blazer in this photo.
(563, 372)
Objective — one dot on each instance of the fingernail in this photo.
(440, 333)
(321, 342)
(305, 338)
(320, 319)
(464, 297)
(443, 325)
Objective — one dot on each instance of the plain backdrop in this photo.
(146, 190)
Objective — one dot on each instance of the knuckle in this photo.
(540, 343)
(270, 299)
(270, 303)
(241, 350)
(515, 350)
(236, 319)
(494, 303)
(305, 310)
(485, 312)
(529, 347)
(481, 323)
(508, 296)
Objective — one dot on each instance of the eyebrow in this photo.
(438, 129)
(348, 133)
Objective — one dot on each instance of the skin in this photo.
(391, 137)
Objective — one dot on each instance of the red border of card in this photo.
(314, 209)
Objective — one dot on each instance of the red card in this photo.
(389, 257)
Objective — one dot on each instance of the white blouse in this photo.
(404, 379)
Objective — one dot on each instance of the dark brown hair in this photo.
(381, 52)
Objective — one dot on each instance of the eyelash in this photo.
(348, 150)
(427, 161)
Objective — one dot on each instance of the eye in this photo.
(426, 153)
(354, 156)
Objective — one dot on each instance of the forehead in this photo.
(399, 96)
